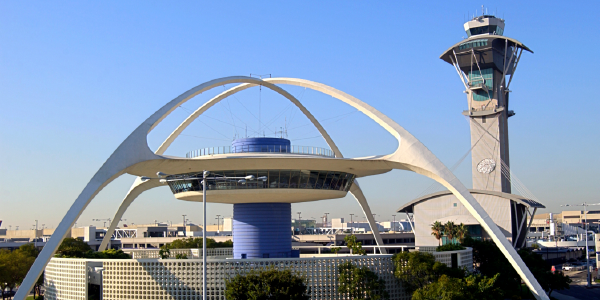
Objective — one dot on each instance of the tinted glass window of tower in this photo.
(472, 44)
(493, 29)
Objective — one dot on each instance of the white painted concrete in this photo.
(133, 156)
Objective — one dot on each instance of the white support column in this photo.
(410, 222)
(521, 226)
(136, 189)
(362, 201)
(529, 226)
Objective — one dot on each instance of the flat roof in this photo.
(408, 207)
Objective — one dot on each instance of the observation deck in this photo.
(267, 184)
(305, 150)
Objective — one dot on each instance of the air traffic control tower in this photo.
(486, 62)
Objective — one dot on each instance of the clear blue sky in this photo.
(78, 77)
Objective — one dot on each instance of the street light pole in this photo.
(204, 174)
(351, 224)
(218, 218)
(36, 234)
(299, 223)
(587, 252)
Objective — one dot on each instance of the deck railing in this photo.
(307, 150)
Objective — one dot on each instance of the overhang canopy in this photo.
(408, 207)
(511, 42)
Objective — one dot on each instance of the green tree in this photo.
(473, 287)
(418, 269)
(488, 261)
(14, 266)
(450, 231)
(5, 270)
(354, 245)
(164, 252)
(29, 251)
(113, 254)
(266, 285)
(360, 283)
(437, 230)
(461, 232)
(192, 242)
(541, 270)
(72, 248)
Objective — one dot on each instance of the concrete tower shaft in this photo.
(486, 63)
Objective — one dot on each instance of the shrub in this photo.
(360, 283)
(450, 247)
(418, 269)
(269, 284)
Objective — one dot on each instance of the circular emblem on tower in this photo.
(486, 166)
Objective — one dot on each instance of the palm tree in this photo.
(436, 230)
(450, 230)
(461, 232)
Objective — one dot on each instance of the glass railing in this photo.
(308, 150)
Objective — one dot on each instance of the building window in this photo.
(472, 44)
(455, 204)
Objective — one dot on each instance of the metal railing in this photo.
(189, 253)
(307, 150)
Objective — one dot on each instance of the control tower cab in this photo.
(486, 24)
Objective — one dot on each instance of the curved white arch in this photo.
(411, 154)
(140, 187)
(136, 189)
(133, 150)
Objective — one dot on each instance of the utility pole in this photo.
(299, 223)
(36, 235)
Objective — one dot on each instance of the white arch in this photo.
(139, 187)
(411, 154)
(133, 150)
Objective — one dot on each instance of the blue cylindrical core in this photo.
(262, 230)
(260, 144)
